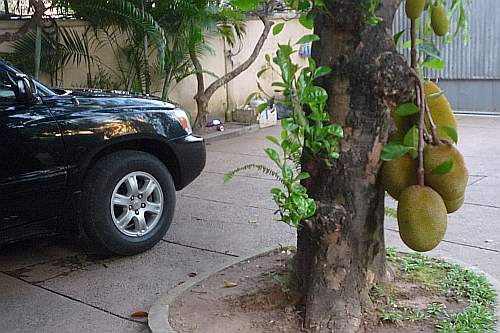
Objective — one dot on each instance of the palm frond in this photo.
(259, 167)
(123, 14)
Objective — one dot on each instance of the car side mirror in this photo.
(27, 93)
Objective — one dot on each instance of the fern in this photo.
(259, 167)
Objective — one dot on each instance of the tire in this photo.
(101, 216)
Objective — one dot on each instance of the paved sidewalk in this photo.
(51, 285)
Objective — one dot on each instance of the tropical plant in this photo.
(303, 132)
(226, 19)
(138, 29)
(59, 47)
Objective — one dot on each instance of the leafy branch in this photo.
(302, 132)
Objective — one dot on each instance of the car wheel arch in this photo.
(157, 147)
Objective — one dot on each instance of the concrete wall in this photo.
(473, 96)
(222, 60)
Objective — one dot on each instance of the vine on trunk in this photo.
(312, 131)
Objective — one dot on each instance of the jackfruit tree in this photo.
(359, 103)
(341, 249)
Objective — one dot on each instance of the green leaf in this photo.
(322, 71)
(302, 175)
(273, 155)
(429, 49)
(397, 36)
(443, 168)
(392, 151)
(308, 39)
(276, 191)
(245, 5)
(284, 133)
(452, 133)
(279, 84)
(287, 172)
(411, 138)
(273, 139)
(314, 94)
(406, 109)
(336, 130)
(262, 107)
(278, 28)
(434, 63)
(307, 20)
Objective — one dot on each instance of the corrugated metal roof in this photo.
(479, 58)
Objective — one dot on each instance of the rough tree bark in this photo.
(203, 95)
(341, 251)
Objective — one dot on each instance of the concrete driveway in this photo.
(52, 285)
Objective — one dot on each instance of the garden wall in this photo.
(219, 62)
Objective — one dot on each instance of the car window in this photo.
(7, 94)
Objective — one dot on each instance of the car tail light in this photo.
(184, 120)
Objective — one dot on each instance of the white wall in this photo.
(230, 96)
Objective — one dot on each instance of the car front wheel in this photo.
(128, 203)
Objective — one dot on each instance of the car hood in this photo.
(111, 99)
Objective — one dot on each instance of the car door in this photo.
(32, 161)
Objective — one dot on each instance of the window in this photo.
(7, 94)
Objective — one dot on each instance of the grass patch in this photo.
(435, 293)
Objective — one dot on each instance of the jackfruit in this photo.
(451, 185)
(399, 174)
(440, 109)
(454, 205)
(422, 218)
(414, 8)
(439, 20)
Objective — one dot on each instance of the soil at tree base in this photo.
(257, 303)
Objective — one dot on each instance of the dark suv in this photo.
(109, 161)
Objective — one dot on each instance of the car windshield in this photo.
(43, 91)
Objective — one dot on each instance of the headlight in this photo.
(184, 120)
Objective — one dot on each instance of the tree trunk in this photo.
(203, 96)
(341, 251)
(202, 105)
(38, 51)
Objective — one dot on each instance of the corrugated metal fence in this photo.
(480, 58)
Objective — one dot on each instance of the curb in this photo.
(230, 133)
(159, 313)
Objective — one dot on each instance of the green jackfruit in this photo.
(422, 218)
(439, 20)
(451, 185)
(399, 174)
(454, 205)
(414, 8)
(440, 109)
